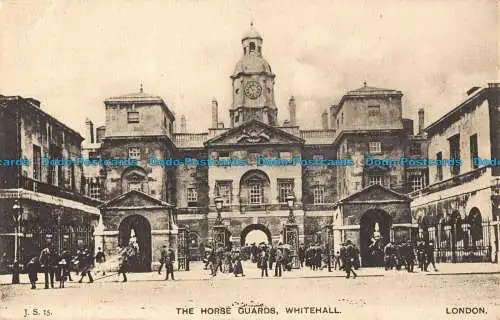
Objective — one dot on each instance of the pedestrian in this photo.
(163, 257)
(350, 257)
(263, 263)
(86, 266)
(272, 255)
(238, 267)
(302, 255)
(342, 255)
(212, 261)
(279, 261)
(336, 260)
(32, 270)
(46, 260)
(429, 256)
(169, 263)
(63, 272)
(124, 263)
(100, 258)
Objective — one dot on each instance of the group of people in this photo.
(58, 267)
(223, 260)
(397, 255)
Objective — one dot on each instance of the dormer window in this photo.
(133, 117)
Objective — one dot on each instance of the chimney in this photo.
(420, 120)
(324, 120)
(292, 108)
(100, 133)
(183, 124)
(89, 131)
(215, 113)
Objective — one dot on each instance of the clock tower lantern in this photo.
(253, 84)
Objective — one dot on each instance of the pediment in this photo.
(375, 193)
(252, 133)
(134, 199)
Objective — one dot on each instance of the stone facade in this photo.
(265, 159)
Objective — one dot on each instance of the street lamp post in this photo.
(290, 201)
(16, 214)
(219, 230)
(218, 206)
(291, 232)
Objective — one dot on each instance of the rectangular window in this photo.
(373, 111)
(415, 149)
(224, 190)
(93, 155)
(137, 186)
(134, 153)
(224, 155)
(252, 157)
(94, 188)
(375, 147)
(439, 167)
(319, 194)
(285, 188)
(417, 182)
(455, 152)
(318, 157)
(68, 175)
(375, 179)
(133, 117)
(37, 163)
(474, 151)
(286, 155)
(256, 193)
(192, 197)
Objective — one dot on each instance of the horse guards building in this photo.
(269, 177)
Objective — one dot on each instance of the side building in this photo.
(459, 209)
(46, 198)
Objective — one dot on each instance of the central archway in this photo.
(375, 231)
(139, 226)
(255, 229)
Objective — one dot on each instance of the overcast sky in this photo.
(71, 55)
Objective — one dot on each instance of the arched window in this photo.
(254, 187)
(476, 224)
(252, 46)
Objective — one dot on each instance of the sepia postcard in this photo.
(219, 160)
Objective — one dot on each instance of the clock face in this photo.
(253, 89)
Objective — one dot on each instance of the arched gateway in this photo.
(255, 232)
(137, 228)
(375, 231)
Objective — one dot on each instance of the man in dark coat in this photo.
(32, 270)
(264, 256)
(350, 258)
(163, 256)
(279, 261)
(169, 263)
(86, 264)
(429, 256)
(47, 257)
(302, 255)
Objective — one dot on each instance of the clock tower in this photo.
(253, 84)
